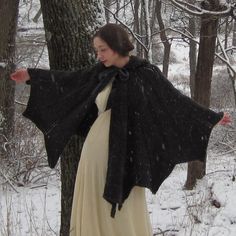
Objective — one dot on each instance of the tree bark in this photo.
(226, 32)
(192, 54)
(137, 29)
(234, 34)
(164, 39)
(107, 14)
(8, 24)
(202, 89)
(147, 30)
(69, 25)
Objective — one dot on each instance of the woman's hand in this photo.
(20, 76)
(226, 119)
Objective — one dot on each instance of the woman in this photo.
(137, 127)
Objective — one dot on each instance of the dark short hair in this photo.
(116, 37)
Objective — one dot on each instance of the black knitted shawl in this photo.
(153, 126)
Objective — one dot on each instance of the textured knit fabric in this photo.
(90, 211)
(153, 126)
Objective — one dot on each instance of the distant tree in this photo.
(107, 4)
(8, 23)
(164, 38)
(210, 11)
(203, 76)
(137, 28)
(69, 25)
(145, 10)
(192, 51)
(234, 33)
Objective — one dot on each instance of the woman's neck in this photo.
(122, 61)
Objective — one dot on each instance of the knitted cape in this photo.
(153, 126)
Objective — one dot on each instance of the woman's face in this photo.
(104, 53)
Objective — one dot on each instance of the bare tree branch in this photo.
(189, 36)
(20, 103)
(197, 11)
(9, 181)
(232, 71)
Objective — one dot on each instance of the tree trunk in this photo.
(164, 39)
(137, 26)
(107, 4)
(69, 25)
(202, 89)
(8, 23)
(226, 32)
(234, 34)
(147, 30)
(192, 54)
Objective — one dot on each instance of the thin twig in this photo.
(225, 153)
(8, 180)
(199, 11)
(20, 103)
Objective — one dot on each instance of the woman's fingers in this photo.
(226, 119)
(20, 75)
(14, 76)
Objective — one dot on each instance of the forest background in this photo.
(193, 42)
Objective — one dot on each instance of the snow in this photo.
(208, 210)
(181, 52)
(32, 211)
(3, 64)
(35, 210)
(192, 212)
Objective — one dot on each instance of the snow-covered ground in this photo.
(208, 210)
(32, 210)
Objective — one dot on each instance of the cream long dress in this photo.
(90, 211)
